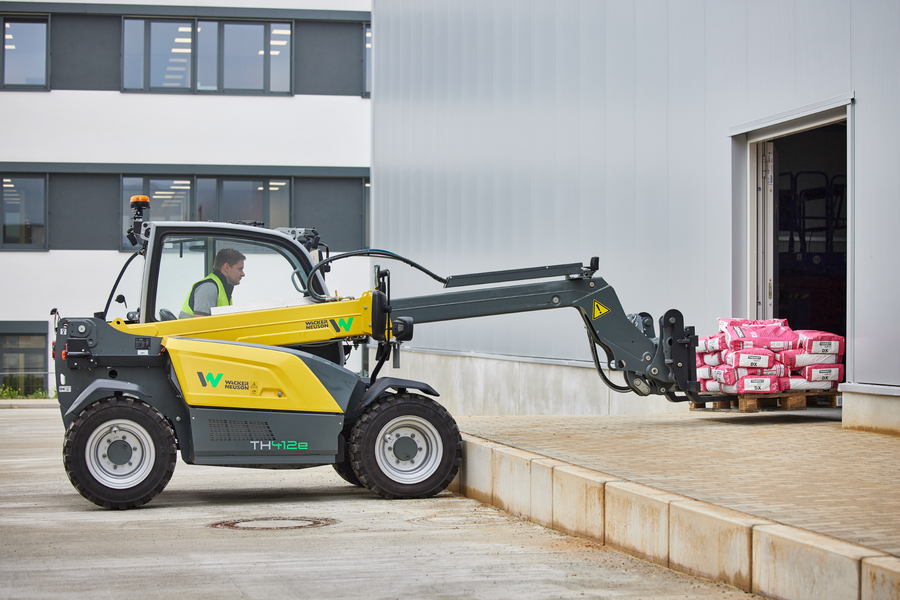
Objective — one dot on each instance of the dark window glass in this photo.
(23, 363)
(264, 200)
(232, 57)
(133, 54)
(368, 59)
(170, 54)
(280, 57)
(244, 58)
(208, 56)
(170, 199)
(242, 200)
(24, 208)
(279, 203)
(24, 53)
(206, 200)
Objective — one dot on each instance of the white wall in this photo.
(363, 5)
(112, 127)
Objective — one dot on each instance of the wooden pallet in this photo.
(749, 403)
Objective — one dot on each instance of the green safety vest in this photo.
(223, 299)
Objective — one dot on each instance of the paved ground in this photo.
(55, 544)
(798, 468)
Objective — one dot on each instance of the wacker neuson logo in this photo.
(209, 377)
(228, 384)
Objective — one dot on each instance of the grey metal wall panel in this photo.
(328, 58)
(515, 133)
(85, 52)
(85, 212)
(334, 207)
(876, 81)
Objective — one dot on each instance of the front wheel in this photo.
(119, 453)
(406, 446)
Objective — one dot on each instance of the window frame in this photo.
(22, 87)
(220, 90)
(45, 245)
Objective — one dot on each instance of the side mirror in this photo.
(402, 328)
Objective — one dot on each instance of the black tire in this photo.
(345, 470)
(119, 453)
(427, 457)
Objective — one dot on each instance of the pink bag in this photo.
(823, 373)
(713, 359)
(705, 372)
(729, 375)
(778, 369)
(774, 337)
(797, 359)
(758, 384)
(789, 384)
(760, 357)
(715, 386)
(821, 342)
(725, 322)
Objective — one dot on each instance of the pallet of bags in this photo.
(767, 357)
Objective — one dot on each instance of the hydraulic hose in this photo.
(612, 386)
(368, 252)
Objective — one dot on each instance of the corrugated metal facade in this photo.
(514, 133)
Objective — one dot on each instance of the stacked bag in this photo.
(768, 357)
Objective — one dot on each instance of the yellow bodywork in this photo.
(272, 327)
(237, 376)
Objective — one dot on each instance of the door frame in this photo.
(759, 215)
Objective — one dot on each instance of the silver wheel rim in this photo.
(120, 454)
(413, 437)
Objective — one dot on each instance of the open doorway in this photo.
(803, 228)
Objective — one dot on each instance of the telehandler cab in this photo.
(263, 385)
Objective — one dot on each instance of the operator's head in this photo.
(230, 263)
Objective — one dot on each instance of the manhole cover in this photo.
(269, 523)
(461, 519)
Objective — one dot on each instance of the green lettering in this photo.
(214, 380)
(346, 323)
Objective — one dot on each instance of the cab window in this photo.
(185, 260)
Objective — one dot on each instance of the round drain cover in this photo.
(269, 523)
(461, 519)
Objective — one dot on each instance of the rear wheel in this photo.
(345, 469)
(119, 453)
(406, 446)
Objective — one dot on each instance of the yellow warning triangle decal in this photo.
(599, 310)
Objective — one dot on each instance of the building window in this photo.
(24, 63)
(24, 214)
(23, 357)
(265, 200)
(367, 90)
(206, 56)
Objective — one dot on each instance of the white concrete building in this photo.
(216, 110)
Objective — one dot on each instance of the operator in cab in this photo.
(215, 289)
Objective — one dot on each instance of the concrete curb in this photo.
(694, 537)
